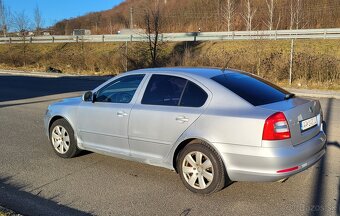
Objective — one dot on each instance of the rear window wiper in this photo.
(289, 95)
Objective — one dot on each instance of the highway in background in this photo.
(333, 33)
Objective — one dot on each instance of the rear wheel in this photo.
(201, 169)
(62, 139)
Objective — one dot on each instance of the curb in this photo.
(7, 212)
(315, 93)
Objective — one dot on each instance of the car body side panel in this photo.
(213, 126)
(162, 131)
(222, 126)
(99, 126)
(163, 128)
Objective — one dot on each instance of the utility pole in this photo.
(126, 56)
(291, 61)
(131, 17)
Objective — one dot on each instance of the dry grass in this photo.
(316, 62)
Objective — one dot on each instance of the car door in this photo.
(170, 104)
(103, 124)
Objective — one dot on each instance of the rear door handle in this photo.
(121, 114)
(182, 119)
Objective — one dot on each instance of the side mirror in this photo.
(89, 96)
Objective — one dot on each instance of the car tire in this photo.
(201, 168)
(62, 139)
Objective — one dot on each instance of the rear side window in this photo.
(193, 96)
(164, 90)
(173, 91)
(252, 89)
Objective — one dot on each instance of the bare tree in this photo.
(229, 13)
(4, 18)
(278, 22)
(271, 7)
(21, 23)
(292, 15)
(67, 29)
(153, 22)
(219, 12)
(38, 21)
(248, 15)
(97, 21)
(110, 26)
(298, 14)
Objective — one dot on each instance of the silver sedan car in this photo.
(212, 126)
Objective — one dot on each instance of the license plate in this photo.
(308, 123)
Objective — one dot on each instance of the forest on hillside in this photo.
(211, 15)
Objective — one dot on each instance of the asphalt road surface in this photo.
(34, 181)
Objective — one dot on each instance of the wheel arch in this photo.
(55, 118)
(189, 141)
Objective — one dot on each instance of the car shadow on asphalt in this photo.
(25, 87)
(317, 205)
(15, 198)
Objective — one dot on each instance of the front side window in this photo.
(120, 90)
(164, 90)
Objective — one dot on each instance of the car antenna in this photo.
(226, 65)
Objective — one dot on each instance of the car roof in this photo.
(198, 71)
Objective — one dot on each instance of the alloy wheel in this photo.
(197, 170)
(60, 139)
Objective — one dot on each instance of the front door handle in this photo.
(121, 114)
(182, 119)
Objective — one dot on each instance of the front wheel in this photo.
(201, 169)
(63, 140)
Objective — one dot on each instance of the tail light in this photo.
(276, 127)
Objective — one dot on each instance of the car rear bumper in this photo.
(247, 163)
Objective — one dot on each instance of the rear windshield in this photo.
(252, 89)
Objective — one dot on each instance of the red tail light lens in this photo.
(276, 127)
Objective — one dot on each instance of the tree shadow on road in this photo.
(24, 87)
(317, 198)
(13, 197)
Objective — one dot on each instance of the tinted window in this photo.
(193, 96)
(253, 89)
(120, 90)
(164, 90)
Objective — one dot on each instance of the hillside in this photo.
(316, 62)
(209, 15)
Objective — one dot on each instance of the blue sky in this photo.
(56, 10)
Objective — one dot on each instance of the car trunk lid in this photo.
(303, 116)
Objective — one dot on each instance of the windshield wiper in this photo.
(289, 95)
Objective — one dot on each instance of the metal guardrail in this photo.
(191, 36)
